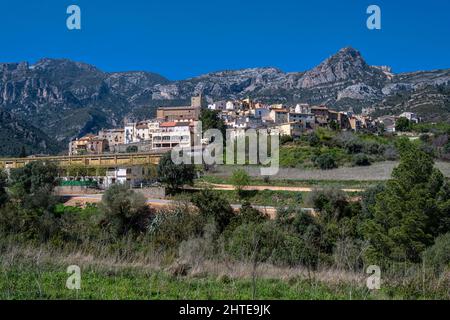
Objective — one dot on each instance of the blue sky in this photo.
(182, 38)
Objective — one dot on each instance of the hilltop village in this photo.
(174, 126)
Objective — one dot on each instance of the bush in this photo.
(132, 149)
(213, 207)
(248, 214)
(350, 142)
(361, 159)
(265, 242)
(285, 139)
(325, 161)
(403, 124)
(3, 193)
(240, 179)
(390, 153)
(374, 148)
(170, 228)
(438, 255)
(348, 254)
(34, 176)
(174, 175)
(124, 211)
(313, 139)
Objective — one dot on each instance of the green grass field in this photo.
(49, 282)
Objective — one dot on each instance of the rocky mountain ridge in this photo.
(67, 99)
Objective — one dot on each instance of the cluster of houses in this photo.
(175, 126)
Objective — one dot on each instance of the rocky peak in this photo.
(346, 65)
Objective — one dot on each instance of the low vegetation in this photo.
(195, 250)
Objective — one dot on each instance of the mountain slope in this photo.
(67, 99)
(16, 134)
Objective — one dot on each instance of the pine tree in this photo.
(408, 213)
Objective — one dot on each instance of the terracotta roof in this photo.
(168, 124)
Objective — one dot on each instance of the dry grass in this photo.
(14, 254)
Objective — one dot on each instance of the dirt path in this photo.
(216, 186)
(82, 200)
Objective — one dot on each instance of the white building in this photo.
(172, 134)
(219, 105)
(302, 108)
(410, 116)
(233, 105)
(142, 132)
(129, 132)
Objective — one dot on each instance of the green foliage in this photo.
(170, 228)
(240, 179)
(361, 159)
(368, 200)
(211, 120)
(34, 176)
(174, 175)
(438, 255)
(325, 161)
(447, 147)
(124, 211)
(131, 149)
(313, 139)
(403, 124)
(213, 207)
(248, 214)
(3, 193)
(264, 242)
(408, 213)
(284, 139)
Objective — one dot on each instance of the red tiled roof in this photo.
(168, 124)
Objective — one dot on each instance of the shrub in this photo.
(425, 138)
(438, 255)
(174, 175)
(402, 124)
(171, 227)
(332, 204)
(240, 179)
(390, 153)
(375, 148)
(248, 214)
(34, 176)
(325, 161)
(124, 211)
(265, 242)
(3, 193)
(348, 254)
(313, 139)
(351, 143)
(361, 159)
(285, 139)
(213, 207)
(447, 147)
(132, 149)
